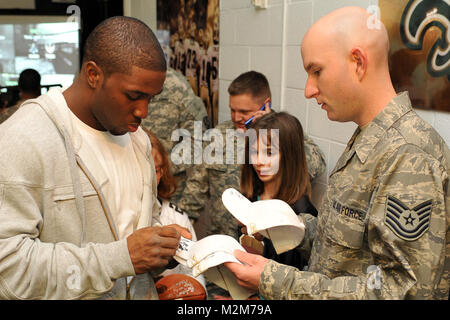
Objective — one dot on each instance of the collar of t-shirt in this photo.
(116, 156)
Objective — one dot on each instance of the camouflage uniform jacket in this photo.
(215, 178)
(383, 227)
(176, 107)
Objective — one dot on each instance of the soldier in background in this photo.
(382, 231)
(177, 107)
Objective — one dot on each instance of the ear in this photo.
(359, 57)
(94, 74)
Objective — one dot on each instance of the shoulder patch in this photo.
(406, 223)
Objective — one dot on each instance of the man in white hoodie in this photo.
(78, 209)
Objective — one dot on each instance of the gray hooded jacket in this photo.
(58, 239)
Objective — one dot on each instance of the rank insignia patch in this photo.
(408, 224)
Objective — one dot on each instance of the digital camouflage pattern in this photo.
(383, 228)
(214, 179)
(176, 107)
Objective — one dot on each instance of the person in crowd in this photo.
(78, 204)
(177, 108)
(275, 168)
(249, 92)
(29, 88)
(383, 227)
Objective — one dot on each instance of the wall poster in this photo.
(419, 32)
(189, 34)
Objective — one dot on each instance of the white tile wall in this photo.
(426, 115)
(341, 132)
(224, 110)
(233, 61)
(144, 10)
(227, 28)
(253, 39)
(336, 150)
(259, 27)
(296, 104)
(268, 61)
(442, 125)
(295, 74)
(318, 123)
(298, 20)
(234, 4)
(276, 96)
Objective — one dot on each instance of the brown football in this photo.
(180, 287)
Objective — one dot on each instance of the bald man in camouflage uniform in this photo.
(177, 107)
(216, 178)
(382, 228)
(382, 231)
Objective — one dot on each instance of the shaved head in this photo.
(345, 54)
(350, 27)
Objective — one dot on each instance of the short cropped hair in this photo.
(119, 43)
(253, 83)
(30, 81)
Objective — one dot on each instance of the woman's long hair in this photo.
(292, 170)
